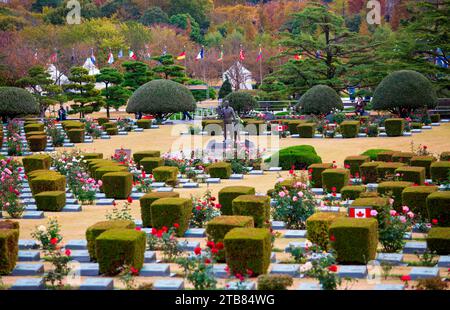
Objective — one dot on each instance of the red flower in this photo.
(239, 276)
(218, 205)
(333, 189)
(425, 147)
(114, 203)
(207, 261)
(405, 278)
(159, 233)
(249, 272)
(332, 238)
(154, 231)
(176, 225)
(219, 245)
(214, 251)
(164, 229)
(197, 250)
(210, 244)
(130, 200)
(332, 268)
(54, 241)
(138, 228)
(212, 198)
(134, 271)
(198, 208)
(68, 252)
(434, 221)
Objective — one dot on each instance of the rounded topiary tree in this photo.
(404, 90)
(16, 102)
(161, 98)
(319, 99)
(242, 102)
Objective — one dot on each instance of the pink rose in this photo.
(405, 209)
(294, 198)
(393, 213)
(402, 219)
(300, 194)
(373, 213)
(281, 194)
(410, 214)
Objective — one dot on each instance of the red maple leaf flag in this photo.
(241, 54)
(359, 212)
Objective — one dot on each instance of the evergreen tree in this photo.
(136, 74)
(225, 89)
(115, 95)
(167, 69)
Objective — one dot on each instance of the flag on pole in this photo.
(200, 54)
(318, 54)
(35, 54)
(92, 56)
(110, 58)
(132, 55)
(220, 56)
(182, 56)
(54, 57)
(259, 55)
(298, 57)
(164, 52)
(241, 54)
(120, 55)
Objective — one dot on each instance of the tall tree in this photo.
(115, 95)
(169, 70)
(136, 74)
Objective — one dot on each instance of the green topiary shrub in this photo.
(93, 231)
(104, 169)
(318, 225)
(117, 185)
(228, 194)
(415, 175)
(394, 127)
(438, 206)
(300, 156)
(355, 240)
(354, 162)
(36, 162)
(402, 157)
(161, 98)
(109, 125)
(368, 172)
(76, 135)
(415, 197)
(147, 200)
(47, 183)
(352, 191)
(385, 156)
(102, 120)
(168, 211)
(105, 164)
(252, 205)
(37, 143)
(416, 125)
(34, 127)
(140, 155)
(118, 247)
(35, 133)
(349, 129)
(440, 171)
(316, 173)
(68, 125)
(34, 174)
(404, 89)
(167, 174)
(50, 201)
(319, 99)
(150, 163)
(394, 189)
(438, 240)
(9, 245)
(435, 118)
(248, 248)
(15, 102)
(293, 124)
(306, 130)
(144, 123)
(87, 156)
(387, 170)
(114, 131)
(220, 170)
(445, 156)
(274, 282)
(242, 102)
(377, 203)
(423, 161)
(373, 153)
(335, 178)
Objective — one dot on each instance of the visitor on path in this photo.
(359, 108)
(62, 114)
(186, 115)
(138, 115)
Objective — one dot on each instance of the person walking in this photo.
(62, 114)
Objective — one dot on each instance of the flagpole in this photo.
(221, 55)
(185, 59)
(260, 65)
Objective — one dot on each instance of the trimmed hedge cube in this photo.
(140, 155)
(76, 135)
(109, 125)
(256, 206)
(68, 125)
(147, 200)
(440, 171)
(394, 127)
(318, 225)
(34, 174)
(9, 246)
(438, 206)
(47, 183)
(93, 231)
(416, 125)
(385, 170)
(316, 173)
(271, 282)
(349, 129)
(220, 170)
(385, 156)
(150, 163)
(50, 201)
(33, 127)
(113, 131)
(293, 124)
(117, 185)
(37, 143)
(167, 174)
(402, 157)
(368, 172)
(117, 247)
(412, 174)
(248, 248)
(355, 240)
(227, 194)
(144, 123)
(102, 120)
(445, 156)
(87, 156)
(415, 197)
(354, 162)
(104, 169)
(435, 118)
(168, 211)
(438, 240)
(337, 178)
(306, 130)
(394, 189)
(423, 161)
(36, 162)
(35, 133)
(377, 203)
(352, 191)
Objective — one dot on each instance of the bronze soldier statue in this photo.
(227, 114)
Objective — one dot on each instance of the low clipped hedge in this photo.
(9, 246)
(394, 189)
(50, 201)
(349, 129)
(248, 249)
(337, 178)
(416, 125)
(423, 161)
(146, 202)
(144, 123)
(352, 191)
(402, 157)
(220, 170)
(368, 172)
(293, 124)
(167, 174)
(118, 247)
(355, 162)
(140, 155)
(168, 211)
(68, 125)
(306, 130)
(373, 153)
(36, 162)
(87, 156)
(440, 171)
(387, 169)
(256, 206)
(35, 133)
(37, 143)
(415, 197)
(34, 174)
(104, 169)
(385, 156)
(318, 225)
(445, 156)
(113, 131)
(34, 127)
(394, 127)
(44, 182)
(150, 163)
(228, 194)
(435, 118)
(300, 156)
(102, 120)
(316, 173)
(76, 135)
(93, 231)
(117, 185)
(355, 240)
(377, 203)
(109, 125)
(438, 240)
(274, 282)
(438, 206)
(415, 175)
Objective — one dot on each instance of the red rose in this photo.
(333, 189)
(198, 208)
(405, 278)
(164, 229)
(214, 251)
(332, 268)
(207, 261)
(154, 231)
(138, 228)
(332, 238)
(54, 241)
(218, 205)
(213, 198)
(159, 233)
(219, 245)
(68, 252)
(249, 272)
(130, 200)
(210, 244)
(434, 221)
(197, 250)
(176, 225)
(134, 271)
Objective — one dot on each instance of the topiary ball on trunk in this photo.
(319, 99)
(161, 98)
(16, 101)
(242, 102)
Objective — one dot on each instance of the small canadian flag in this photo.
(359, 212)
(280, 127)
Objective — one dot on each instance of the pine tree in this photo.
(225, 89)
(136, 74)
(167, 69)
(115, 95)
